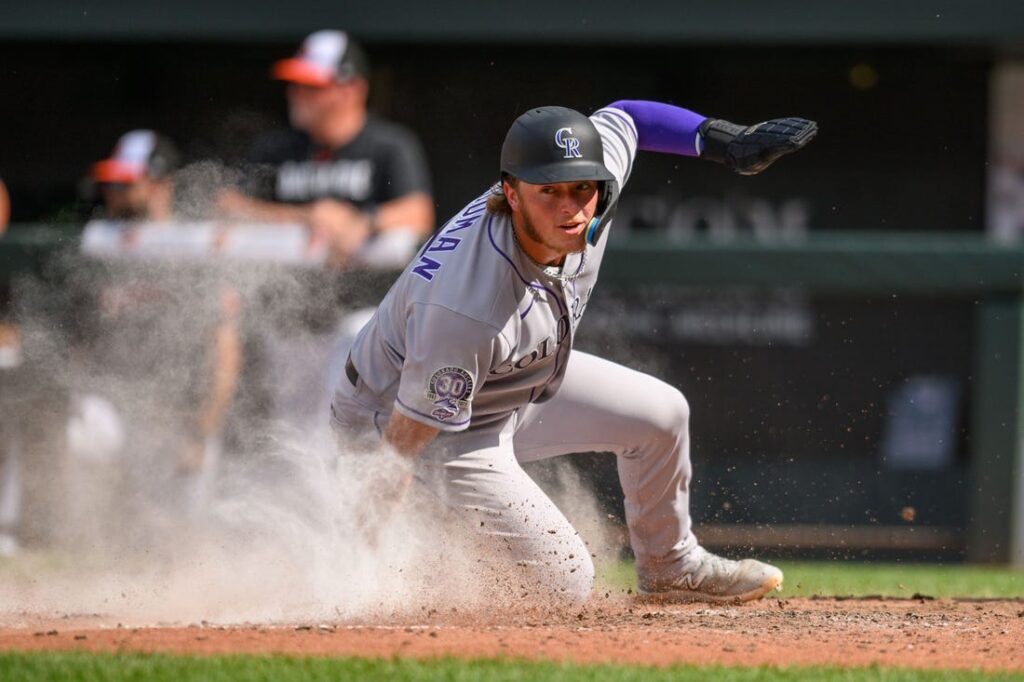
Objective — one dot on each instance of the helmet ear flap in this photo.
(606, 205)
(604, 197)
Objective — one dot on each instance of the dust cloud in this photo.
(271, 525)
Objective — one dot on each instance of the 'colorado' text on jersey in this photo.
(473, 329)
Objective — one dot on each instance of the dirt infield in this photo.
(917, 633)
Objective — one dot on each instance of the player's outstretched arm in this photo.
(745, 149)
(663, 127)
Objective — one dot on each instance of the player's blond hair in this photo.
(497, 203)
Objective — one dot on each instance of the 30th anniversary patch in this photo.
(449, 389)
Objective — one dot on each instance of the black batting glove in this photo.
(749, 150)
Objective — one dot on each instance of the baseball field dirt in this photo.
(985, 634)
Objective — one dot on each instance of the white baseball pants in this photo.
(600, 407)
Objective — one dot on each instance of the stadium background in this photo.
(794, 425)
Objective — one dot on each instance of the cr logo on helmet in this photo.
(571, 145)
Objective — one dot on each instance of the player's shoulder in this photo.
(613, 114)
(608, 119)
(470, 310)
(619, 139)
(456, 317)
(460, 267)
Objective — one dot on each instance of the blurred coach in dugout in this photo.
(358, 182)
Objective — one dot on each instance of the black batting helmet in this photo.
(556, 144)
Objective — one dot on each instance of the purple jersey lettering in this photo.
(444, 244)
(425, 267)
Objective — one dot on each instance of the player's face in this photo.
(311, 107)
(554, 217)
(126, 202)
(308, 106)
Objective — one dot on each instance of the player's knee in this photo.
(681, 407)
(672, 416)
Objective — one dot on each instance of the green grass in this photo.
(81, 667)
(901, 580)
(842, 579)
(803, 579)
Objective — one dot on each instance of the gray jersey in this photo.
(474, 329)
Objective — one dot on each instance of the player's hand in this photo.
(748, 150)
(339, 225)
(231, 202)
(9, 337)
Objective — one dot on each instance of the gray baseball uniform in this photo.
(475, 339)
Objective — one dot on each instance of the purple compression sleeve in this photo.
(663, 127)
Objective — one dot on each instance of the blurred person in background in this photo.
(361, 186)
(135, 182)
(1006, 199)
(10, 435)
(359, 183)
(161, 351)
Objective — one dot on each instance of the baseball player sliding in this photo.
(467, 368)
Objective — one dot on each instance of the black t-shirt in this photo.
(383, 162)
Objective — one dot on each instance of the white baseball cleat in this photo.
(715, 579)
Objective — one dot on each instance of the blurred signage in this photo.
(680, 217)
(921, 427)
